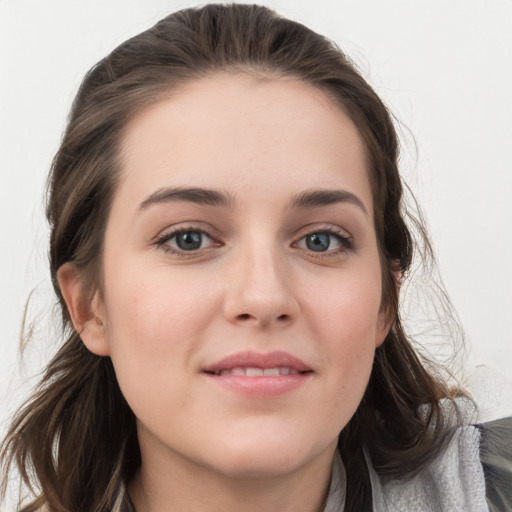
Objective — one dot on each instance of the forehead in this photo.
(244, 134)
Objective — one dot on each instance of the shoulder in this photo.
(496, 458)
(453, 482)
(473, 474)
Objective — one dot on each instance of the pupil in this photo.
(318, 242)
(189, 241)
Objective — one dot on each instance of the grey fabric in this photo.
(336, 498)
(496, 457)
(454, 482)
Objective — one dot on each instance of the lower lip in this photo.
(260, 387)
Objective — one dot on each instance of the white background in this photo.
(444, 68)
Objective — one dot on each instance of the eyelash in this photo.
(162, 241)
(346, 242)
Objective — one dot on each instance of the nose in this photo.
(260, 291)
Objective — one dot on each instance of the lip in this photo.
(251, 359)
(261, 386)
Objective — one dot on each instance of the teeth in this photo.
(254, 372)
(260, 372)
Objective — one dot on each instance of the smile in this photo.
(257, 375)
(260, 372)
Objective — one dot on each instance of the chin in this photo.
(263, 456)
(259, 464)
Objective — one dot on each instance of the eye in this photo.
(189, 240)
(325, 241)
(186, 240)
(318, 242)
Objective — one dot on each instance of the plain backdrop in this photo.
(442, 66)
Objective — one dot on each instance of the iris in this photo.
(189, 241)
(318, 242)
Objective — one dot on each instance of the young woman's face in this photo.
(241, 277)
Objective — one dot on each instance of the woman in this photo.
(228, 245)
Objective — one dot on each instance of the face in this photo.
(241, 277)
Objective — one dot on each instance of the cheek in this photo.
(155, 311)
(346, 307)
(345, 318)
(154, 327)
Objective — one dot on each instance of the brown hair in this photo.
(74, 441)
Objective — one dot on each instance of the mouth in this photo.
(258, 372)
(255, 364)
(259, 375)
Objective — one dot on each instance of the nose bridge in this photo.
(260, 290)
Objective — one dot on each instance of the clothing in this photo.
(474, 474)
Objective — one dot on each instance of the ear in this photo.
(384, 323)
(385, 320)
(86, 313)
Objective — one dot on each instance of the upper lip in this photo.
(249, 359)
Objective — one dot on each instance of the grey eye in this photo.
(189, 241)
(324, 241)
(318, 242)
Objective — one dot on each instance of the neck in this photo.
(185, 486)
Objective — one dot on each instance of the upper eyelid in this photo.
(171, 231)
(322, 228)
(171, 234)
(343, 239)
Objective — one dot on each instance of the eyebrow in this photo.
(196, 195)
(319, 198)
(209, 197)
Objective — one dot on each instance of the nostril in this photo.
(246, 316)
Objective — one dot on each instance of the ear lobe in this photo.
(86, 313)
(385, 320)
(384, 323)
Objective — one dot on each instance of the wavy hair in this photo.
(74, 441)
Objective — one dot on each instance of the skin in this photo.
(253, 285)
